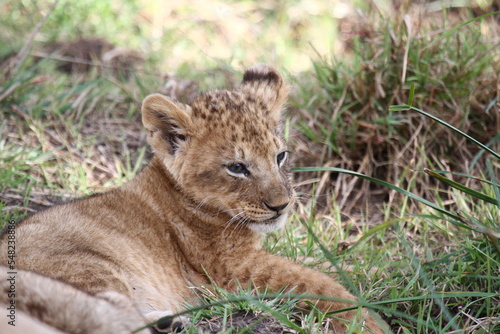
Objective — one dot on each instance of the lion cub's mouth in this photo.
(266, 220)
(268, 225)
(276, 216)
(262, 220)
(271, 220)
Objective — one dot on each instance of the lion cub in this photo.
(218, 180)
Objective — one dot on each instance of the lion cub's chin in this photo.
(269, 226)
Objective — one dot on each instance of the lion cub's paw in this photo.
(168, 325)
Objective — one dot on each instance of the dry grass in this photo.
(349, 118)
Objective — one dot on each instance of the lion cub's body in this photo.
(194, 215)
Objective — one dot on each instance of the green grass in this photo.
(441, 269)
(64, 136)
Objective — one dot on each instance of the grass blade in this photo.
(496, 187)
(473, 177)
(412, 95)
(451, 31)
(282, 318)
(460, 186)
(373, 231)
(388, 185)
(436, 119)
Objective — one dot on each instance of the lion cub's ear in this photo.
(267, 85)
(168, 123)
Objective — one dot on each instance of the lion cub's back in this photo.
(76, 240)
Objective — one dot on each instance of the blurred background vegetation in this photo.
(70, 92)
(179, 34)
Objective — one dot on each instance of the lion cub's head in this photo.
(226, 149)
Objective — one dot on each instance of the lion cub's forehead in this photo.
(240, 119)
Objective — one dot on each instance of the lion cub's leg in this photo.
(171, 324)
(60, 305)
(159, 294)
(266, 270)
(25, 323)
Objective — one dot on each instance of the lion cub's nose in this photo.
(277, 208)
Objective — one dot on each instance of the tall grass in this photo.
(472, 266)
(441, 262)
(348, 113)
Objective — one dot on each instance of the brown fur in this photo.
(189, 217)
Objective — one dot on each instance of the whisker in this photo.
(241, 223)
(233, 219)
(202, 203)
(306, 182)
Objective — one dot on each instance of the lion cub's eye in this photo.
(239, 169)
(281, 158)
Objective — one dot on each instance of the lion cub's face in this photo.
(226, 150)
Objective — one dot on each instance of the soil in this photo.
(256, 323)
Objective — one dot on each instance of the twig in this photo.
(409, 30)
(23, 53)
(8, 91)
